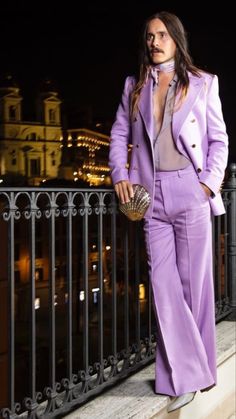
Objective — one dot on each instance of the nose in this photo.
(155, 40)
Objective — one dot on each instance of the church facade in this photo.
(31, 150)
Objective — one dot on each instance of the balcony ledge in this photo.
(134, 397)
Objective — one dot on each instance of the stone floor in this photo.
(135, 398)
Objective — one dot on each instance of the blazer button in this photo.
(193, 145)
(199, 170)
(193, 120)
(137, 145)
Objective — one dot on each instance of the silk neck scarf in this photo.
(166, 67)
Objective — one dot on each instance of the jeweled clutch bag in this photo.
(136, 208)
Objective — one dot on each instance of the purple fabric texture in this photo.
(179, 248)
(177, 225)
(198, 130)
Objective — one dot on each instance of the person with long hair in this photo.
(171, 114)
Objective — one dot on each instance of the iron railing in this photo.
(75, 300)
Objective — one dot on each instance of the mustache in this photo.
(156, 50)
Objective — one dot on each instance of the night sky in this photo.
(89, 53)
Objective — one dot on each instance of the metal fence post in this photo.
(231, 183)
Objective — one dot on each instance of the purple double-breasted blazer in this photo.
(198, 130)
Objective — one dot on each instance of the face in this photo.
(160, 45)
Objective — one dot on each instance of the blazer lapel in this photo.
(179, 116)
(146, 107)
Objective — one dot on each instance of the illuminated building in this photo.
(85, 157)
(31, 150)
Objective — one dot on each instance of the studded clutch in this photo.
(136, 208)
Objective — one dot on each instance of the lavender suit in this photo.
(177, 226)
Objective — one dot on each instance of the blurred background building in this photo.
(29, 151)
(43, 151)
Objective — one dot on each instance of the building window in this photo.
(35, 167)
(52, 116)
(53, 158)
(13, 162)
(39, 274)
(32, 136)
(12, 113)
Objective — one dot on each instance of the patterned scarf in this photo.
(166, 67)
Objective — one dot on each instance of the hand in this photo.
(206, 189)
(221, 186)
(124, 191)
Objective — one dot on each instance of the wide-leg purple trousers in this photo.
(179, 247)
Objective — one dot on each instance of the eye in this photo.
(163, 35)
(149, 37)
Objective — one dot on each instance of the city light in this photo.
(94, 266)
(37, 303)
(95, 294)
(81, 295)
(141, 291)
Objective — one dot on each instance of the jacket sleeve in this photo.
(120, 135)
(217, 156)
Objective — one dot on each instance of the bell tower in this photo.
(48, 105)
(10, 101)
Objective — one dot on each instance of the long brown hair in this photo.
(183, 61)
